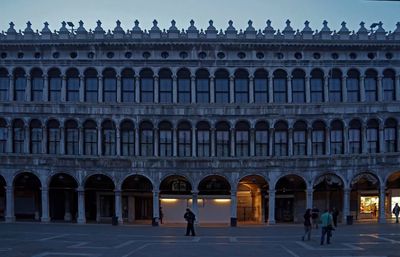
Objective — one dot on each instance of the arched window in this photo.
(318, 138)
(91, 86)
(202, 86)
(37, 85)
(390, 136)
(127, 138)
(165, 90)
(184, 91)
(184, 139)
(298, 86)
(300, 138)
(203, 139)
(355, 137)
(109, 138)
(73, 85)
(336, 137)
(4, 84)
(388, 85)
(146, 86)
(71, 138)
(335, 86)
(370, 84)
(165, 130)
(36, 137)
(3, 136)
(54, 85)
(353, 86)
(53, 137)
(110, 86)
(222, 87)
(146, 139)
(241, 86)
(18, 136)
(317, 86)
(19, 84)
(261, 86)
(261, 139)
(373, 136)
(90, 137)
(242, 138)
(128, 86)
(223, 142)
(280, 86)
(281, 139)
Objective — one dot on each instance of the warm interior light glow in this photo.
(169, 200)
(395, 199)
(222, 200)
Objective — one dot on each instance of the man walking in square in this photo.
(190, 218)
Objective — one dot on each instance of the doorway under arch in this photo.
(63, 198)
(364, 196)
(27, 197)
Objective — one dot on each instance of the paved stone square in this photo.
(72, 240)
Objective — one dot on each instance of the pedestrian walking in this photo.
(190, 218)
(326, 226)
(161, 215)
(315, 216)
(335, 214)
(396, 211)
(307, 225)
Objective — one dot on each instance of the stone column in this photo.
(271, 209)
(81, 206)
(174, 142)
(81, 144)
(27, 140)
(174, 88)
(231, 89)
(397, 87)
(326, 88)
(212, 89)
(45, 204)
(101, 89)
(344, 89)
(232, 135)
(213, 153)
(309, 141)
(251, 89)
(289, 89)
(346, 202)
(118, 141)
(271, 88)
(346, 139)
(10, 204)
(194, 141)
(63, 88)
(12, 88)
(44, 140)
(28, 89)
(119, 96)
(271, 141)
(137, 89)
(362, 88)
(290, 142)
(99, 141)
(156, 207)
(10, 139)
(156, 141)
(308, 89)
(379, 89)
(45, 88)
(195, 207)
(118, 205)
(82, 90)
(381, 138)
(233, 208)
(193, 89)
(382, 215)
(156, 89)
(398, 138)
(309, 198)
(67, 214)
(364, 144)
(62, 140)
(328, 141)
(252, 139)
(137, 141)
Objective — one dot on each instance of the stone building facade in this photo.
(241, 126)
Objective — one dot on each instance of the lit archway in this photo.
(393, 193)
(63, 197)
(364, 196)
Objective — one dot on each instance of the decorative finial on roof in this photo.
(99, 29)
(155, 27)
(28, 28)
(173, 28)
(81, 29)
(269, 29)
(362, 28)
(325, 28)
(192, 28)
(250, 27)
(397, 30)
(230, 28)
(344, 29)
(306, 28)
(380, 28)
(211, 26)
(136, 28)
(46, 29)
(11, 29)
(288, 29)
(63, 29)
(118, 28)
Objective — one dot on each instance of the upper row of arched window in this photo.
(278, 86)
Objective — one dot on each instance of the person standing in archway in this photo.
(396, 211)
(190, 218)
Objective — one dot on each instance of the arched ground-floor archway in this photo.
(137, 199)
(99, 198)
(393, 194)
(252, 201)
(27, 197)
(290, 199)
(365, 197)
(63, 198)
(3, 185)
